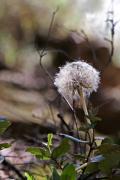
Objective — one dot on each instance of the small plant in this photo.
(94, 157)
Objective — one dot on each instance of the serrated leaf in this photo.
(4, 145)
(4, 124)
(61, 149)
(69, 173)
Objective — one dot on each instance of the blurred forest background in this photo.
(82, 29)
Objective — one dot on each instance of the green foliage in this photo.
(107, 140)
(49, 144)
(55, 175)
(4, 145)
(40, 153)
(111, 153)
(61, 150)
(29, 176)
(50, 138)
(34, 150)
(107, 161)
(106, 156)
(69, 173)
(92, 167)
(4, 124)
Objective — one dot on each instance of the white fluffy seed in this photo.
(76, 75)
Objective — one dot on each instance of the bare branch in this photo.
(113, 23)
(43, 52)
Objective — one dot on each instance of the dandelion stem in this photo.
(83, 102)
(84, 106)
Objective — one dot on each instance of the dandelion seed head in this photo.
(75, 75)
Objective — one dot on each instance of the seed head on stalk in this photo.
(76, 78)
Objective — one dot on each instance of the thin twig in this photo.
(113, 23)
(63, 121)
(43, 51)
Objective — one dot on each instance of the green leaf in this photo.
(107, 148)
(107, 140)
(61, 150)
(4, 145)
(39, 152)
(69, 173)
(105, 166)
(55, 175)
(34, 150)
(111, 161)
(92, 167)
(50, 138)
(4, 124)
(111, 153)
(29, 176)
